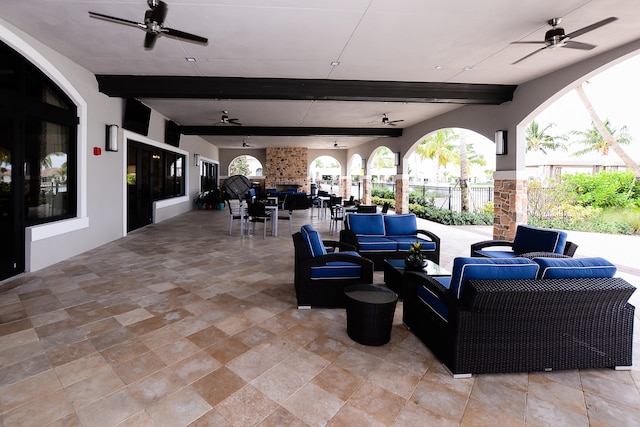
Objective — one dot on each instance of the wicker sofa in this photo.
(521, 315)
(379, 237)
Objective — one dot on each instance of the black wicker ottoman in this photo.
(370, 310)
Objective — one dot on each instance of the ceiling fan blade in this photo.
(117, 20)
(577, 45)
(234, 122)
(150, 40)
(184, 36)
(529, 55)
(591, 27)
(528, 42)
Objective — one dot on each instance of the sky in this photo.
(615, 95)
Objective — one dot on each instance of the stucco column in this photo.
(366, 189)
(402, 194)
(345, 187)
(509, 207)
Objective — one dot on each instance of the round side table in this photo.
(370, 310)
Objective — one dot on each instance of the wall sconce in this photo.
(111, 140)
(364, 163)
(396, 159)
(196, 160)
(501, 142)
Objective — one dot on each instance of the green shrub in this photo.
(604, 189)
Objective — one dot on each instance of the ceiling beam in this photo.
(290, 131)
(135, 86)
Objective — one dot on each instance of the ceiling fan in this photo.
(336, 145)
(225, 120)
(387, 122)
(153, 24)
(245, 145)
(556, 37)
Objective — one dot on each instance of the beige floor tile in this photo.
(110, 410)
(178, 409)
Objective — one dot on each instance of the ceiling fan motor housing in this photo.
(555, 37)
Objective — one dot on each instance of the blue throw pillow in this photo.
(466, 268)
(312, 240)
(534, 239)
(366, 224)
(572, 268)
(400, 225)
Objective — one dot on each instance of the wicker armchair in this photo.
(527, 240)
(323, 268)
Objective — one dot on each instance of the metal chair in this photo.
(257, 212)
(235, 212)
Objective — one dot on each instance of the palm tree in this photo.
(539, 140)
(439, 147)
(606, 135)
(593, 140)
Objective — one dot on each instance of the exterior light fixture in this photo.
(501, 142)
(396, 158)
(111, 140)
(196, 160)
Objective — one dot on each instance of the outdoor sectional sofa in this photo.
(522, 315)
(379, 237)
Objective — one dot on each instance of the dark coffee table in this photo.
(394, 271)
(370, 310)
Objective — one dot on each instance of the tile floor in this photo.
(181, 324)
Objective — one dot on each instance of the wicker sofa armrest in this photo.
(487, 244)
(332, 245)
(430, 236)
(348, 236)
(413, 280)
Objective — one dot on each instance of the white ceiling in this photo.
(402, 40)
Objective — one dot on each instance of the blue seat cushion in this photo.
(366, 224)
(376, 243)
(431, 300)
(466, 268)
(405, 242)
(534, 239)
(400, 225)
(573, 268)
(336, 270)
(312, 240)
(498, 254)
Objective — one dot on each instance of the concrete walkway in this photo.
(622, 250)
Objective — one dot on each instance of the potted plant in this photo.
(415, 259)
(201, 199)
(216, 198)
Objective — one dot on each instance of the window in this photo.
(43, 150)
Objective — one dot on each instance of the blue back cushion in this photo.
(366, 224)
(568, 268)
(312, 240)
(466, 268)
(534, 239)
(399, 225)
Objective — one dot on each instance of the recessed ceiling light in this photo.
(335, 63)
(190, 59)
(438, 67)
(469, 68)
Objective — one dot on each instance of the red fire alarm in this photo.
(97, 151)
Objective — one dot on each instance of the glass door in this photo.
(139, 196)
(11, 227)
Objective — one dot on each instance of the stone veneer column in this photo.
(509, 207)
(345, 187)
(402, 194)
(366, 190)
(287, 166)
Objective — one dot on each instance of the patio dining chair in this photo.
(257, 212)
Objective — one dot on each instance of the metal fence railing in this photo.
(445, 197)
